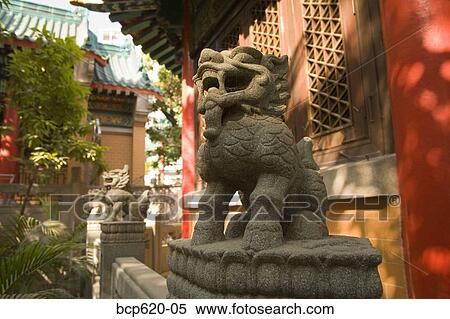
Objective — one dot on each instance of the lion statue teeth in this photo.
(243, 95)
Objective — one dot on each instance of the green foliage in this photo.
(37, 259)
(170, 85)
(169, 149)
(4, 3)
(167, 135)
(4, 129)
(50, 105)
(3, 33)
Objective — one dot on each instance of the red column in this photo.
(188, 127)
(8, 146)
(417, 41)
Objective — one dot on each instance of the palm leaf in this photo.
(36, 254)
(26, 261)
(16, 231)
(76, 236)
(52, 228)
(42, 294)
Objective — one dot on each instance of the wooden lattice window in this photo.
(231, 40)
(330, 108)
(266, 29)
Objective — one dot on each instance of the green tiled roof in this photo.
(124, 63)
(154, 24)
(123, 68)
(21, 17)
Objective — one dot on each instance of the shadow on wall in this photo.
(353, 178)
(417, 48)
(419, 66)
(383, 228)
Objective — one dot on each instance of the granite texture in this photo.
(243, 94)
(336, 267)
(113, 202)
(131, 279)
(280, 246)
(119, 239)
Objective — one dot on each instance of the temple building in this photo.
(120, 94)
(120, 91)
(369, 84)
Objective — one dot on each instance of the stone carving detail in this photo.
(123, 232)
(276, 248)
(119, 239)
(302, 269)
(116, 178)
(113, 201)
(249, 148)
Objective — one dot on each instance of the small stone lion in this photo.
(114, 197)
(242, 96)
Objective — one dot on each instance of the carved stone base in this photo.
(119, 239)
(335, 267)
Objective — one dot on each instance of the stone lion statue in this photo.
(113, 198)
(249, 148)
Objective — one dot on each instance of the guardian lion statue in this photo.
(248, 148)
(113, 200)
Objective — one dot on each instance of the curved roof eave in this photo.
(148, 26)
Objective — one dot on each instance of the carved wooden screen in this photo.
(344, 101)
(330, 108)
(266, 29)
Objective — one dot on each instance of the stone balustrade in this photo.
(119, 239)
(131, 279)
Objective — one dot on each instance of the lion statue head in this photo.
(242, 77)
(116, 178)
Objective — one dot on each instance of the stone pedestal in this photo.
(119, 239)
(334, 267)
(93, 232)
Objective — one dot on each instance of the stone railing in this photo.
(119, 239)
(131, 279)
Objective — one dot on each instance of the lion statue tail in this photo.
(310, 181)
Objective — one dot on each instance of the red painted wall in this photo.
(188, 124)
(417, 42)
(8, 147)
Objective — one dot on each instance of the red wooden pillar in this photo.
(417, 41)
(8, 146)
(188, 127)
